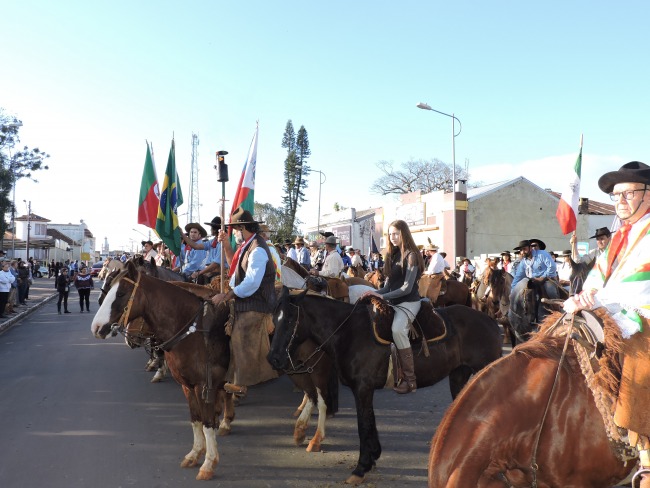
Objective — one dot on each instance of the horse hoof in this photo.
(189, 463)
(223, 431)
(204, 475)
(299, 436)
(313, 447)
(354, 480)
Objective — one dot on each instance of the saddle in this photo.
(430, 325)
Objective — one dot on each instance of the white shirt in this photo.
(150, 255)
(332, 266)
(436, 264)
(465, 268)
(356, 260)
(291, 253)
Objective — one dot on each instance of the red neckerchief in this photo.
(235, 258)
(618, 244)
(214, 243)
(190, 249)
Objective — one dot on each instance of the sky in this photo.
(93, 81)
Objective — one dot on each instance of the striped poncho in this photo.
(626, 294)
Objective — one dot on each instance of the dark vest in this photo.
(263, 300)
(396, 280)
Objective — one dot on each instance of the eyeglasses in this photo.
(626, 195)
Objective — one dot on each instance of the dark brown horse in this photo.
(345, 332)
(530, 419)
(376, 278)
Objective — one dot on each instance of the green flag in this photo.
(171, 197)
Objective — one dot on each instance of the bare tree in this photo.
(425, 176)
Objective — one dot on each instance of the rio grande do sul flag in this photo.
(245, 196)
(567, 210)
(149, 193)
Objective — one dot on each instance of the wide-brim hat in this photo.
(602, 231)
(524, 243)
(431, 247)
(242, 217)
(351, 249)
(216, 222)
(505, 253)
(541, 244)
(197, 226)
(299, 240)
(331, 240)
(265, 228)
(313, 244)
(147, 242)
(157, 244)
(632, 172)
(566, 253)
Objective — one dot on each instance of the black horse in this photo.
(345, 332)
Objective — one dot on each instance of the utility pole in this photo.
(193, 214)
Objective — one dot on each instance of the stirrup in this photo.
(235, 389)
(641, 471)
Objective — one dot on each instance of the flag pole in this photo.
(222, 170)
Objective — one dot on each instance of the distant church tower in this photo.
(105, 247)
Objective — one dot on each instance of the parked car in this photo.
(96, 268)
(41, 271)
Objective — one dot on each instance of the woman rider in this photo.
(403, 267)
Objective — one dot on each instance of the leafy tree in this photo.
(426, 176)
(276, 219)
(14, 165)
(296, 172)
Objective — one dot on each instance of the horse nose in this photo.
(275, 360)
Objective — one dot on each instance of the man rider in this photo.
(620, 282)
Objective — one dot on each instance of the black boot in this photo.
(59, 308)
(407, 385)
(67, 311)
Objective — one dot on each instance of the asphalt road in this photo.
(79, 412)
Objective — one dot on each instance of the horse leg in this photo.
(191, 459)
(458, 378)
(228, 412)
(369, 447)
(299, 431)
(301, 407)
(314, 444)
(206, 471)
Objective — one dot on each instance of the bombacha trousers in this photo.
(404, 312)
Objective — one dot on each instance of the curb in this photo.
(5, 326)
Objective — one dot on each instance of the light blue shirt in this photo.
(193, 260)
(304, 257)
(214, 253)
(257, 260)
(541, 265)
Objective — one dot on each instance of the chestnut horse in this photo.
(346, 333)
(457, 292)
(530, 419)
(376, 278)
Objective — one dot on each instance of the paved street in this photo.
(79, 412)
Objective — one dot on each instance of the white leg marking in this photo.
(322, 414)
(198, 447)
(211, 453)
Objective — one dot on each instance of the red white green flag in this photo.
(149, 193)
(245, 196)
(567, 210)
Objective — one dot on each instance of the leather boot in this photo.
(59, 307)
(407, 385)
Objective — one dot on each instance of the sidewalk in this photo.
(41, 292)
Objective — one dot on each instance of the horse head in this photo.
(117, 302)
(288, 333)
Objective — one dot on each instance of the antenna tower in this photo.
(193, 214)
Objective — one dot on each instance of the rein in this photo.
(319, 348)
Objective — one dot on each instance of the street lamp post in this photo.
(321, 179)
(425, 106)
(29, 226)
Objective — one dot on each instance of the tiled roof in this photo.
(593, 207)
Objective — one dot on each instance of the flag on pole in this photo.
(171, 197)
(245, 195)
(567, 210)
(149, 193)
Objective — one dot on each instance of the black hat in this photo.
(540, 243)
(566, 253)
(216, 222)
(632, 172)
(505, 253)
(197, 226)
(524, 243)
(242, 217)
(287, 242)
(603, 231)
(147, 242)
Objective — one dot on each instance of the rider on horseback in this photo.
(212, 247)
(404, 266)
(333, 264)
(620, 282)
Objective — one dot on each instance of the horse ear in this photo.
(299, 297)
(130, 267)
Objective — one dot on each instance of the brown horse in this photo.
(376, 278)
(470, 341)
(544, 429)
(457, 293)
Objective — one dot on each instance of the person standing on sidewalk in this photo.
(84, 283)
(6, 279)
(63, 287)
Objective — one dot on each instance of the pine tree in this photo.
(295, 172)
